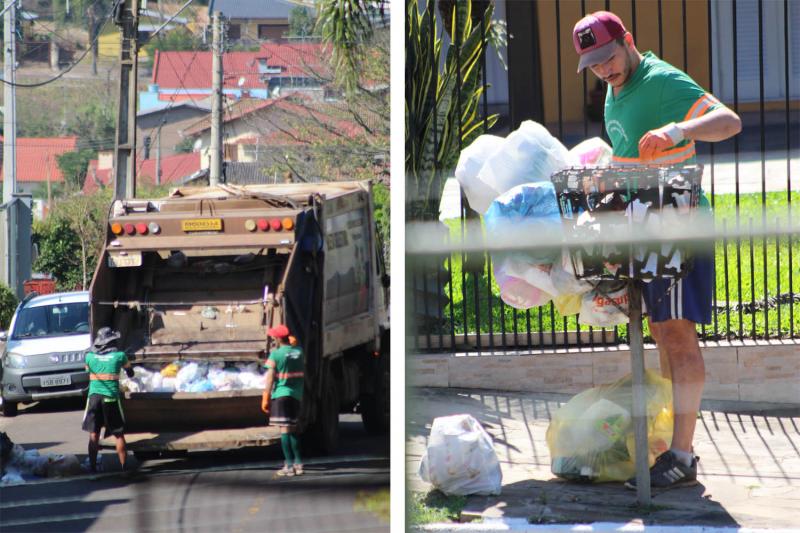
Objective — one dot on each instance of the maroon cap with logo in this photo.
(594, 36)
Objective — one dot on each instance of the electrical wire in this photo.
(73, 64)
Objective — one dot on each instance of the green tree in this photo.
(442, 99)
(301, 22)
(8, 303)
(178, 39)
(73, 166)
(346, 27)
(71, 237)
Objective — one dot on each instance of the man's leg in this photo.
(679, 339)
(294, 442)
(122, 450)
(286, 446)
(94, 445)
(663, 357)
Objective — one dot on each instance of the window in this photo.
(50, 320)
(271, 31)
(234, 32)
(746, 33)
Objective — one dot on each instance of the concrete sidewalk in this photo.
(749, 470)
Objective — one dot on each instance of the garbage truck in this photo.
(200, 275)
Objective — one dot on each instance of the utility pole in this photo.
(125, 146)
(158, 156)
(9, 103)
(216, 102)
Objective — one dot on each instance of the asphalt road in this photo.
(210, 491)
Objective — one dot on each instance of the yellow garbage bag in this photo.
(170, 371)
(591, 436)
(568, 304)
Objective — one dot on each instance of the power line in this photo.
(75, 63)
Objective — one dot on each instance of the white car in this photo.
(45, 346)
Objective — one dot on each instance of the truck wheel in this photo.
(325, 434)
(375, 408)
(8, 409)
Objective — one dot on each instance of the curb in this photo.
(521, 524)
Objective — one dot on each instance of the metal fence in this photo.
(452, 299)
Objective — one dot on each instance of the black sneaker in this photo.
(669, 472)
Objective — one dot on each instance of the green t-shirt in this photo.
(287, 361)
(655, 95)
(104, 372)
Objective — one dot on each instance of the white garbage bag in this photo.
(472, 158)
(523, 283)
(605, 306)
(529, 154)
(460, 458)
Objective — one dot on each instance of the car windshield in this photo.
(52, 320)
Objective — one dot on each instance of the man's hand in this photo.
(656, 141)
(265, 402)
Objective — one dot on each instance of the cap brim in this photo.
(596, 56)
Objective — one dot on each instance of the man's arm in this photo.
(265, 397)
(714, 126)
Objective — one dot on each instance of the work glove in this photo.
(265, 402)
(129, 372)
(659, 140)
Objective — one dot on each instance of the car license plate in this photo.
(56, 381)
(130, 259)
(202, 224)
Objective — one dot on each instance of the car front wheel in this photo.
(7, 408)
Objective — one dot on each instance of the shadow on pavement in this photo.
(558, 501)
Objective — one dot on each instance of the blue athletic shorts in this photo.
(689, 298)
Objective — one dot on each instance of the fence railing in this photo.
(452, 299)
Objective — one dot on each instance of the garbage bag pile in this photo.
(508, 181)
(460, 458)
(591, 436)
(195, 376)
(20, 465)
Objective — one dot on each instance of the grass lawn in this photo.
(434, 507)
(749, 274)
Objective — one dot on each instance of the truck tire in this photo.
(325, 432)
(8, 409)
(375, 407)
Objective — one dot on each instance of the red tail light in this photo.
(141, 228)
(130, 229)
(275, 224)
(263, 225)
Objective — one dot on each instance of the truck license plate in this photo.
(202, 224)
(56, 381)
(130, 259)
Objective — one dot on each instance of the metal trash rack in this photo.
(592, 199)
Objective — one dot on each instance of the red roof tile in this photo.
(190, 70)
(37, 157)
(173, 169)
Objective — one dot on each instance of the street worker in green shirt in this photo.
(283, 393)
(103, 407)
(654, 113)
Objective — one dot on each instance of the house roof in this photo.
(189, 70)
(201, 105)
(173, 169)
(37, 157)
(253, 9)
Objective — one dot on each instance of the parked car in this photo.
(45, 345)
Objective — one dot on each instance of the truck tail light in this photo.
(287, 223)
(275, 224)
(263, 225)
(154, 228)
(141, 228)
(130, 229)
(116, 228)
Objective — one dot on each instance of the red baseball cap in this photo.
(280, 331)
(594, 36)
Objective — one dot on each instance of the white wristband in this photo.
(674, 132)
